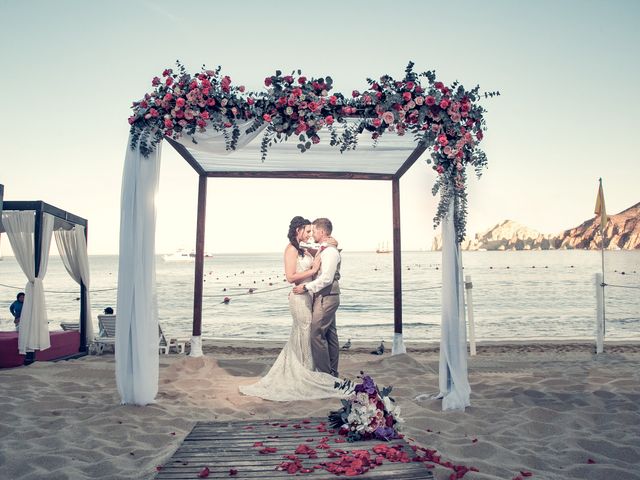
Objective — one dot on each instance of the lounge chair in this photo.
(165, 347)
(69, 326)
(107, 336)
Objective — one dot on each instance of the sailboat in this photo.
(383, 248)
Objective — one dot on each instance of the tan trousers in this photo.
(325, 348)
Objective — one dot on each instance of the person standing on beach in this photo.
(293, 376)
(326, 300)
(16, 309)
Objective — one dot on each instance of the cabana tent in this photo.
(29, 225)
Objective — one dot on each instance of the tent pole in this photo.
(199, 270)
(83, 305)
(398, 345)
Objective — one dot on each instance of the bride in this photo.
(292, 376)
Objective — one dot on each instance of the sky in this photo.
(568, 73)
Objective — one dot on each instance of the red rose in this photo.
(154, 112)
(439, 85)
(406, 96)
(155, 82)
(266, 117)
(288, 79)
(241, 88)
(355, 94)
(268, 82)
(169, 81)
(410, 85)
(442, 140)
(479, 135)
(333, 99)
(377, 122)
(430, 100)
(211, 102)
(250, 101)
(166, 72)
(131, 119)
(168, 123)
(328, 119)
(302, 80)
(440, 169)
(205, 115)
(444, 104)
(315, 139)
(180, 102)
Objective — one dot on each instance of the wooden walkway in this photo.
(233, 450)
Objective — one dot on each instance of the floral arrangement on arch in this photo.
(369, 412)
(446, 118)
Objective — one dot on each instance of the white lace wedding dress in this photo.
(292, 376)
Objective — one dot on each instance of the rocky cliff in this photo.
(622, 233)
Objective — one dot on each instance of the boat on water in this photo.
(383, 248)
(181, 255)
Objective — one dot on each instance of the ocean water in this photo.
(516, 295)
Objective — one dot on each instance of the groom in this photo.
(326, 300)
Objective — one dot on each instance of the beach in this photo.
(555, 410)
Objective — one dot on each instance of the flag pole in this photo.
(602, 228)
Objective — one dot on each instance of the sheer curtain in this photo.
(72, 246)
(454, 383)
(20, 227)
(136, 310)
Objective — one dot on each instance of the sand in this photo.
(555, 410)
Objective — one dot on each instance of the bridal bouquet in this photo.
(367, 413)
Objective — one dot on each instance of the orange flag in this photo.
(601, 210)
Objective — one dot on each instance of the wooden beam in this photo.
(397, 259)
(83, 304)
(199, 268)
(310, 175)
(182, 150)
(411, 159)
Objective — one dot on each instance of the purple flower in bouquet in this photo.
(368, 386)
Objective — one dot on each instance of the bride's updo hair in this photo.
(295, 224)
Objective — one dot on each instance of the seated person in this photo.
(16, 309)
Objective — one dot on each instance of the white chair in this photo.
(69, 326)
(107, 335)
(165, 347)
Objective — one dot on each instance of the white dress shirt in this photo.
(330, 260)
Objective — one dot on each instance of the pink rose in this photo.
(315, 139)
(268, 82)
(430, 100)
(288, 79)
(444, 103)
(182, 123)
(168, 97)
(406, 96)
(205, 115)
(166, 72)
(328, 119)
(388, 117)
(376, 122)
(211, 102)
(131, 119)
(266, 117)
(302, 80)
(180, 102)
(333, 99)
(355, 94)
(440, 169)
(241, 88)
(447, 150)
(479, 135)
(442, 139)
(419, 89)
(456, 117)
(154, 113)
(250, 101)
(410, 85)
(155, 82)
(188, 114)
(201, 123)
(211, 73)
(419, 100)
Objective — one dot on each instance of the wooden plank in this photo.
(222, 446)
(397, 259)
(199, 260)
(303, 174)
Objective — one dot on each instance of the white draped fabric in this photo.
(211, 141)
(454, 383)
(72, 246)
(136, 310)
(20, 227)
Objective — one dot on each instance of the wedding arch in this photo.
(222, 130)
